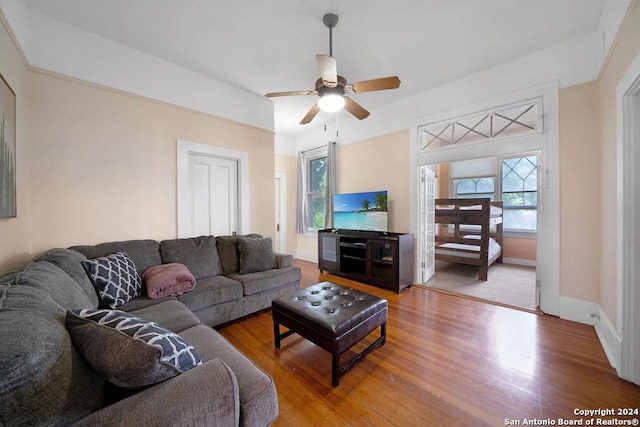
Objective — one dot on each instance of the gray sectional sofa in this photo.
(48, 374)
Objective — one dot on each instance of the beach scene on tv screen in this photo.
(361, 211)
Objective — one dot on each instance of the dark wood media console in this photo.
(379, 258)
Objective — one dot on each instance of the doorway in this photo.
(511, 278)
(212, 190)
(627, 332)
(280, 244)
(213, 195)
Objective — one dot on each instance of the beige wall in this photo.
(579, 195)
(625, 49)
(380, 163)
(15, 232)
(96, 165)
(104, 163)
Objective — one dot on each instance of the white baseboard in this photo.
(518, 261)
(608, 336)
(310, 256)
(591, 314)
(578, 310)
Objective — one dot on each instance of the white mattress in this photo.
(460, 249)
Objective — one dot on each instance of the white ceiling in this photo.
(266, 46)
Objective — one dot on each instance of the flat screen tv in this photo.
(361, 211)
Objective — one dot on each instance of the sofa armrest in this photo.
(206, 395)
(283, 260)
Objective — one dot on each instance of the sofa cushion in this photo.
(43, 379)
(115, 278)
(258, 397)
(211, 291)
(172, 315)
(199, 254)
(144, 253)
(71, 262)
(55, 282)
(255, 255)
(128, 351)
(254, 283)
(228, 252)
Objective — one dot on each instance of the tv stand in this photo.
(382, 259)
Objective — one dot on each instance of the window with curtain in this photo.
(316, 186)
(316, 192)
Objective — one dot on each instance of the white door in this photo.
(213, 195)
(427, 214)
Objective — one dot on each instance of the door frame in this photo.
(282, 192)
(547, 143)
(627, 341)
(186, 148)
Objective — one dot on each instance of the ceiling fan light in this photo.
(331, 103)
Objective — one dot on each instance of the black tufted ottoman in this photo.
(332, 317)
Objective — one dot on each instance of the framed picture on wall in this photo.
(7, 151)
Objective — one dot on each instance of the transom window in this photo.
(508, 121)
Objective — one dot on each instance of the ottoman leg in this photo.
(336, 371)
(276, 333)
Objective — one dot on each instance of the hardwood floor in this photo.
(447, 361)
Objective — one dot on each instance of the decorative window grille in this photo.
(508, 121)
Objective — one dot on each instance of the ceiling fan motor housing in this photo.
(324, 90)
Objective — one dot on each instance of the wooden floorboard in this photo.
(448, 361)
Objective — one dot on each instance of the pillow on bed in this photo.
(128, 351)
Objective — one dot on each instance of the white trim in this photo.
(519, 261)
(184, 149)
(282, 176)
(311, 256)
(628, 212)
(578, 310)
(609, 338)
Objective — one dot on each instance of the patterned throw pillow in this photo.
(115, 278)
(128, 351)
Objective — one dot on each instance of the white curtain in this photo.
(330, 151)
(332, 183)
(301, 227)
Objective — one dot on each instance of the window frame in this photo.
(309, 195)
(498, 193)
(518, 232)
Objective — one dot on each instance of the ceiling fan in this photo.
(331, 87)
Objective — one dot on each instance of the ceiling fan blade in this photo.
(355, 108)
(310, 115)
(291, 93)
(383, 83)
(328, 70)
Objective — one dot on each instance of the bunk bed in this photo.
(469, 231)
